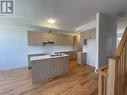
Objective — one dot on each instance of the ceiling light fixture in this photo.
(51, 21)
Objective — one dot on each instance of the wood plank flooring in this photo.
(81, 80)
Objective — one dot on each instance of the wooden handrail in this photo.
(102, 68)
(122, 43)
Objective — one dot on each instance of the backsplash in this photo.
(49, 49)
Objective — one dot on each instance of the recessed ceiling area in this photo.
(69, 14)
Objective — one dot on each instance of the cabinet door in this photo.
(49, 68)
(88, 35)
(53, 38)
(50, 37)
(61, 65)
(82, 37)
(38, 37)
(62, 39)
(93, 34)
(45, 36)
(30, 38)
(70, 40)
(85, 35)
(59, 39)
(58, 66)
(65, 64)
(34, 39)
(78, 43)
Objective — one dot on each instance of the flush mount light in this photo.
(51, 21)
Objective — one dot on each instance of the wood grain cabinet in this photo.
(81, 58)
(72, 54)
(70, 40)
(78, 43)
(61, 66)
(82, 37)
(44, 69)
(93, 34)
(37, 38)
(58, 40)
(89, 34)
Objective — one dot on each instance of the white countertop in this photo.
(35, 58)
(81, 52)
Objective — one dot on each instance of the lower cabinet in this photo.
(81, 58)
(61, 66)
(48, 68)
(72, 54)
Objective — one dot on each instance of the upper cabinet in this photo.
(77, 43)
(89, 34)
(37, 38)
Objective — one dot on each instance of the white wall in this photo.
(91, 53)
(121, 25)
(14, 48)
(106, 38)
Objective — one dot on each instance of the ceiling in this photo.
(69, 14)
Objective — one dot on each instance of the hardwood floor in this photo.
(81, 80)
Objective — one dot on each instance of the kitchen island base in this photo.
(48, 68)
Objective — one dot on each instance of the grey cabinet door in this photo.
(43, 69)
(61, 65)
(65, 68)
(35, 71)
(58, 66)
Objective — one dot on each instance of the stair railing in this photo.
(112, 78)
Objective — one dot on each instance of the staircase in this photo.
(113, 77)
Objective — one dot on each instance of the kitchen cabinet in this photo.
(72, 54)
(70, 40)
(77, 43)
(47, 67)
(89, 34)
(81, 58)
(33, 55)
(64, 39)
(30, 38)
(93, 34)
(82, 37)
(61, 65)
(58, 40)
(37, 38)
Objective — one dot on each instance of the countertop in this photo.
(35, 58)
(82, 52)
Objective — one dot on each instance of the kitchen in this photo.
(55, 47)
(59, 57)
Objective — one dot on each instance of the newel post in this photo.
(112, 76)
